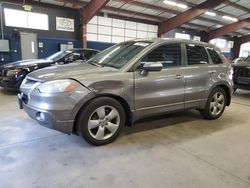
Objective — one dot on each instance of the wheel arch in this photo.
(128, 113)
(227, 89)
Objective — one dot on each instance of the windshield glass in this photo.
(119, 55)
(58, 55)
(248, 58)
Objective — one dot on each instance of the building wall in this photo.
(51, 39)
(103, 32)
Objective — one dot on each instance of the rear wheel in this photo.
(101, 121)
(216, 104)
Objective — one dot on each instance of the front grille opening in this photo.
(242, 71)
(30, 82)
(25, 98)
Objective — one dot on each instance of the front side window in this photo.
(87, 54)
(214, 56)
(196, 55)
(168, 54)
(75, 56)
(119, 55)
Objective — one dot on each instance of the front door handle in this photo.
(179, 76)
(211, 71)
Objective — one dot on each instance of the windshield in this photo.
(248, 58)
(58, 55)
(119, 55)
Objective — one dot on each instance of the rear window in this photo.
(214, 56)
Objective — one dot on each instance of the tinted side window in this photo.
(169, 55)
(95, 52)
(196, 55)
(86, 54)
(76, 56)
(214, 56)
(72, 57)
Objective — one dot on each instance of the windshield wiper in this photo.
(109, 65)
(92, 63)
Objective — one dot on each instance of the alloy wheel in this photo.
(103, 122)
(217, 103)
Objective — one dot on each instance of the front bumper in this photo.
(55, 111)
(242, 83)
(49, 119)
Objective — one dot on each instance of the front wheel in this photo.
(101, 121)
(216, 104)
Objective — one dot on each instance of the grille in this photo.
(29, 82)
(25, 98)
(242, 71)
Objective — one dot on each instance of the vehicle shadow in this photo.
(161, 121)
(242, 93)
(6, 92)
(173, 128)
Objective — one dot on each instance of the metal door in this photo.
(160, 91)
(163, 90)
(29, 47)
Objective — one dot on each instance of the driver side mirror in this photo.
(154, 66)
(68, 60)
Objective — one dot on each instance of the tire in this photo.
(101, 121)
(216, 104)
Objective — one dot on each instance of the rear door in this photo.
(199, 73)
(161, 91)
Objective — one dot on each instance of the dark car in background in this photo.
(12, 74)
(238, 60)
(241, 75)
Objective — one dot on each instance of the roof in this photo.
(172, 40)
(155, 11)
(81, 49)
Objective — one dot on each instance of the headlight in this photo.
(13, 72)
(57, 86)
(231, 72)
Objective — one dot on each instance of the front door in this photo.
(29, 47)
(161, 91)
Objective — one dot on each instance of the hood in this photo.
(28, 62)
(242, 64)
(82, 72)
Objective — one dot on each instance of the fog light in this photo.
(40, 116)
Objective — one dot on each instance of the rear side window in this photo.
(214, 56)
(168, 54)
(196, 55)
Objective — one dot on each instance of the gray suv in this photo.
(127, 82)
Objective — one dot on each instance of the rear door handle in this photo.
(211, 71)
(179, 76)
